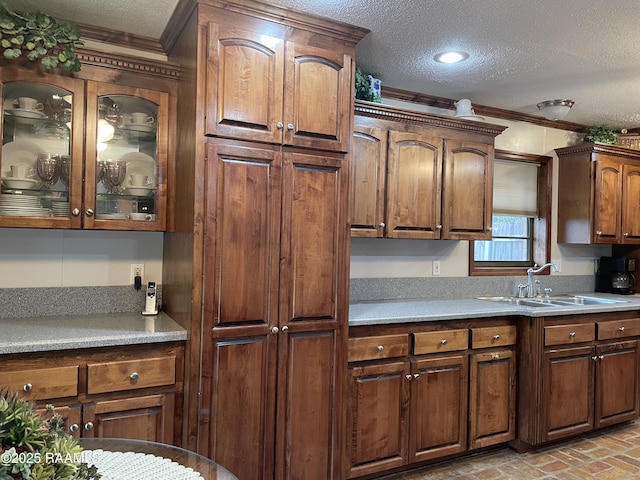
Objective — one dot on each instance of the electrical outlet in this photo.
(137, 270)
(436, 267)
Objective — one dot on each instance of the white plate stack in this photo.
(60, 209)
(22, 206)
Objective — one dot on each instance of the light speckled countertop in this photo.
(405, 311)
(37, 334)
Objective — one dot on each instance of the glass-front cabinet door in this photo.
(41, 157)
(126, 157)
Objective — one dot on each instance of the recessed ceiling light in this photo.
(451, 57)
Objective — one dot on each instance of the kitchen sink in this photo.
(564, 300)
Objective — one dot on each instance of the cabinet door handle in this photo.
(275, 330)
(595, 359)
(380, 348)
(625, 234)
(290, 126)
(27, 387)
(489, 229)
(280, 125)
(601, 357)
(438, 227)
(75, 212)
(443, 341)
(408, 377)
(74, 428)
(598, 232)
(495, 356)
(88, 426)
(621, 329)
(381, 225)
(572, 334)
(89, 212)
(285, 329)
(134, 376)
(496, 337)
(416, 376)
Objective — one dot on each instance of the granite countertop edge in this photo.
(69, 332)
(430, 310)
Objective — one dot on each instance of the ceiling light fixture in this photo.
(451, 57)
(555, 109)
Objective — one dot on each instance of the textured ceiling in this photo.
(521, 51)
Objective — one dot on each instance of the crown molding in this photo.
(447, 103)
(127, 63)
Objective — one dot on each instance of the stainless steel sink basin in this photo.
(564, 300)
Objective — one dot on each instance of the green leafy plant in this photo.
(39, 36)
(363, 88)
(601, 134)
(37, 448)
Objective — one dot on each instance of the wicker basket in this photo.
(629, 140)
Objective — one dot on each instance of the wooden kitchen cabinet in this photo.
(581, 374)
(257, 268)
(81, 129)
(264, 88)
(137, 392)
(416, 176)
(598, 192)
(453, 391)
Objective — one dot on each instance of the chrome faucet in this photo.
(529, 287)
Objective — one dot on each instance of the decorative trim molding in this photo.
(441, 102)
(121, 39)
(599, 148)
(386, 112)
(126, 62)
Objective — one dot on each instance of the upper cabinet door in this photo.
(41, 159)
(414, 178)
(126, 158)
(244, 85)
(467, 197)
(631, 204)
(265, 89)
(317, 107)
(608, 200)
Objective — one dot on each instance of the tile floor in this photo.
(613, 454)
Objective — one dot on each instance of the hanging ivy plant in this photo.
(38, 36)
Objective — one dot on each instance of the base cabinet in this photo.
(452, 391)
(139, 398)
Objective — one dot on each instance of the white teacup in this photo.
(140, 118)
(28, 103)
(21, 170)
(139, 180)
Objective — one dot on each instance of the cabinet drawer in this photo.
(42, 383)
(440, 341)
(493, 336)
(567, 334)
(618, 329)
(384, 346)
(130, 374)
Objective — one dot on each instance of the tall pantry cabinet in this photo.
(257, 267)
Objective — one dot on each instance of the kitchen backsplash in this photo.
(40, 302)
(371, 289)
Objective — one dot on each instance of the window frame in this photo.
(541, 224)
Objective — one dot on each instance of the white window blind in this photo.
(515, 188)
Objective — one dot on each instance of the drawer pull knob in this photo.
(496, 337)
(443, 341)
(74, 428)
(27, 387)
(572, 334)
(134, 376)
(621, 329)
(495, 356)
(88, 426)
(380, 348)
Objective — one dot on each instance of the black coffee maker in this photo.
(615, 276)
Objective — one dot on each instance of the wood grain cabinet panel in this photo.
(492, 398)
(383, 346)
(440, 341)
(568, 334)
(130, 374)
(41, 383)
(598, 199)
(485, 337)
(613, 329)
(378, 428)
